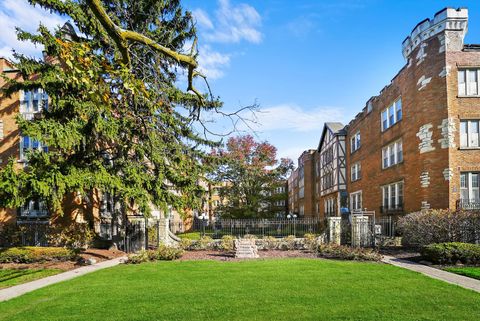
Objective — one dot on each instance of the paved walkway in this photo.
(14, 291)
(453, 278)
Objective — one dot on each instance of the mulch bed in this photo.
(224, 256)
(97, 254)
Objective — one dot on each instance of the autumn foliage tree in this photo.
(247, 178)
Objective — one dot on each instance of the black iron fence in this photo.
(258, 227)
(467, 204)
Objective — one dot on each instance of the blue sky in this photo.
(304, 62)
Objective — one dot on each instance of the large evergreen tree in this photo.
(117, 121)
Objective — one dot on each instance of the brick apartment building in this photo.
(416, 145)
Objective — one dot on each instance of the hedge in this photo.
(30, 254)
(452, 253)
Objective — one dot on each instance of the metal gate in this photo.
(135, 235)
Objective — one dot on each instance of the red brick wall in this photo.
(420, 107)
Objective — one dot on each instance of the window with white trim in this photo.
(392, 196)
(469, 186)
(392, 114)
(302, 210)
(33, 101)
(356, 201)
(469, 133)
(355, 171)
(28, 144)
(329, 207)
(34, 208)
(392, 154)
(468, 82)
(355, 142)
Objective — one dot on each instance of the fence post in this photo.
(334, 229)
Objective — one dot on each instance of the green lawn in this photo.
(472, 272)
(11, 277)
(288, 289)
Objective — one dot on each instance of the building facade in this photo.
(416, 145)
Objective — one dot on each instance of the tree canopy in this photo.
(117, 120)
(248, 177)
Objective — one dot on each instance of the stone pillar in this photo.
(361, 235)
(163, 228)
(334, 229)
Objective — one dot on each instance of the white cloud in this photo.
(232, 23)
(19, 13)
(292, 117)
(211, 63)
(202, 19)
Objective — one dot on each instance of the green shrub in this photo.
(204, 243)
(10, 235)
(227, 243)
(75, 236)
(310, 241)
(140, 257)
(269, 243)
(249, 236)
(186, 244)
(288, 243)
(452, 253)
(163, 253)
(439, 226)
(30, 254)
(333, 251)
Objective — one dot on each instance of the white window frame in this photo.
(466, 87)
(355, 172)
(469, 139)
(356, 201)
(24, 147)
(472, 191)
(392, 154)
(355, 142)
(397, 190)
(392, 114)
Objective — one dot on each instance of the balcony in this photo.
(392, 210)
(470, 204)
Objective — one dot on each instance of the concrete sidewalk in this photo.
(14, 291)
(460, 280)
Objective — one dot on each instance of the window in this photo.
(327, 180)
(469, 186)
(356, 201)
(355, 172)
(392, 114)
(328, 156)
(302, 210)
(34, 208)
(392, 196)
(355, 142)
(33, 101)
(392, 154)
(28, 144)
(329, 207)
(469, 133)
(468, 82)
